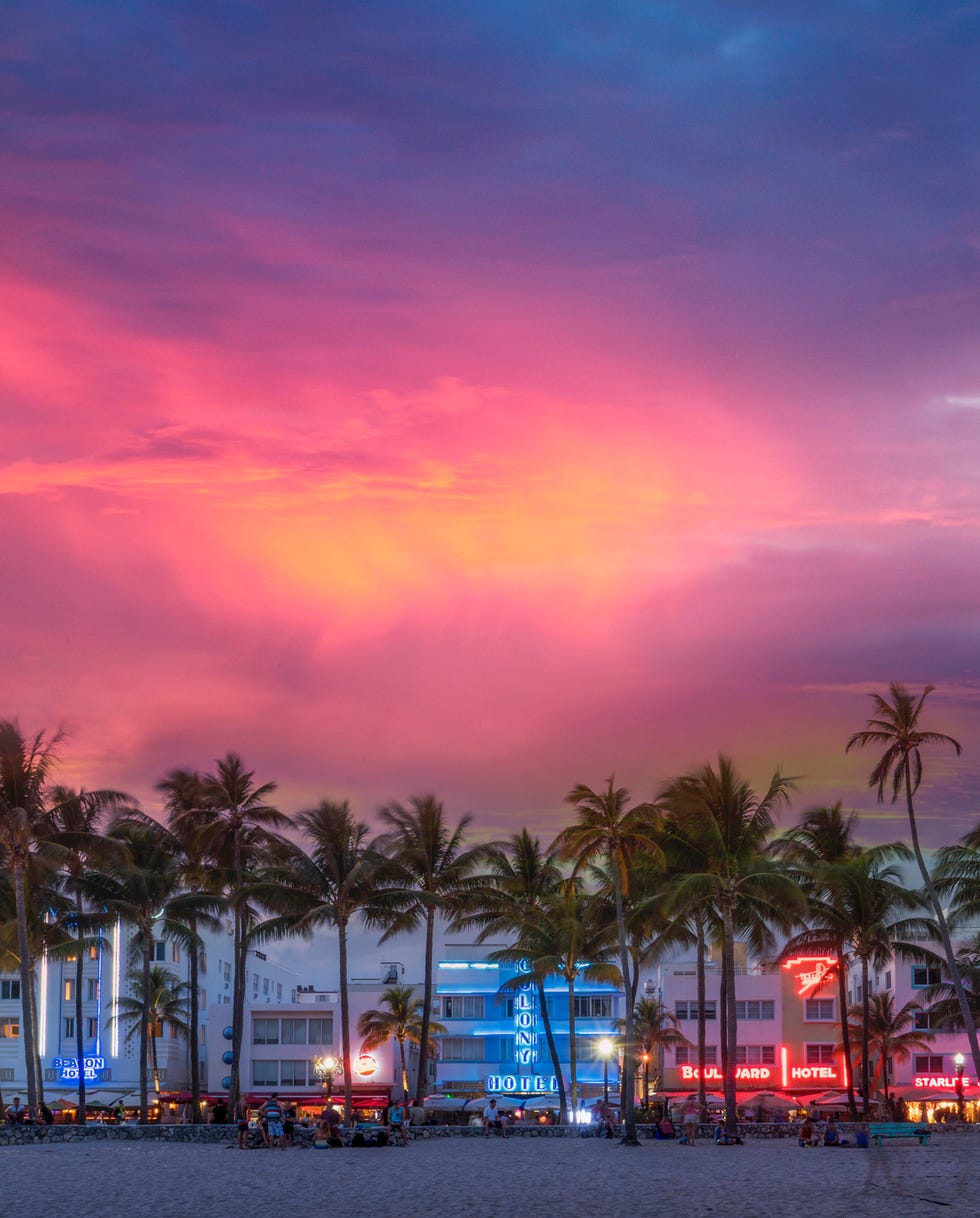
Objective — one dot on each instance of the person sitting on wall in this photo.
(493, 1118)
(808, 1136)
(862, 1136)
(831, 1135)
(16, 1112)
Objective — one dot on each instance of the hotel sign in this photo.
(67, 1068)
(939, 1082)
(525, 1019)
(812, 972)
(743, 1074)
(507, 1084)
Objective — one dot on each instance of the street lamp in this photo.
(605, 1052)
(325, 1068)
(960, 1061)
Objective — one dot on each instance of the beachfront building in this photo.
(495, 1044)
(111, 1038)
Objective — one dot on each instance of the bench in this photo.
(899, 1129)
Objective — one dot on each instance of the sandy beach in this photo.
(444, 1178)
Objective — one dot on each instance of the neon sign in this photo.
(525, 1019)
(823, 1074)
(67, 1068)
(942, 1082)
(366, 1065)
(713, 1074)
(521, 1082)
(822, 970)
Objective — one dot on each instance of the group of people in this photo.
(810, 1135)
(17, 1113)
(277, 1124)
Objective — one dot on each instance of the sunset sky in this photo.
(485, 398)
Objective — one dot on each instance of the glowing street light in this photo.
(960, 1061)
(325, 1068)
(605, 1052)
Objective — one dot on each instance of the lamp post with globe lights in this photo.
(325, 1068)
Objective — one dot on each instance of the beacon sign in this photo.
(67, 1068)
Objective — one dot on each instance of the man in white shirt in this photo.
(493, 1118)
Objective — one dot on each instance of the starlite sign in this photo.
(67, 1068)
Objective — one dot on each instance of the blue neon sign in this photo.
(67, 1068)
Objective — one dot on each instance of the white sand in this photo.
(539, 1178)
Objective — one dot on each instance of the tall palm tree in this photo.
(28, 829)
(891, 1035)
(399, 1018)
(431, 875)
(823, 840)
(239, 835)
(187, 806)
(147, 1013)
(895, 725)
(143, 887)
(719, 817)
(609, 832)
(336, 882)
(508, 896)
(654, 1029)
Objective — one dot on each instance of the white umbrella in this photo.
(444, 1103)
(771, 1100)
(541, 1103)
(505, 1103)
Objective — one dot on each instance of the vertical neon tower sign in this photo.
(525, 1018)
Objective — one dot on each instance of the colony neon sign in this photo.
(67, 1068)
(525, 1019)
(819, 971)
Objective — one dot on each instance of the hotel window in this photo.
(461, 1049)
(92, 1023)
(93, 953)
(226, 971)
(203, 999)
(922, 1020)
(463, 1006)
(255, 985)
(9, 989)
(755, 1055)
(175, 953)
(819, 1010)
(506, 1051)
(689, 1010)
(265, 986)
(925, 974)
(92, 989)
(686, 1055)
(265, 1031)
(928, 1063)
(888, 980)
(69, 990)
(202, 963)
(819, 1054)
(278, 992)
(159, 951)
(292, 1073)
(591, 1006)
(752, 1008)
(69, 1028)
(9, 1029)
(321, 1031)
(265, 1073)
(294, 1031)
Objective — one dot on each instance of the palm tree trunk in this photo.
(147, 946)
(154, 1060)
(954, 970)
(572, 1055)
(38, 1068)
(865, 1040)
(702, 1025)
(627, 1082)
(79, 1038)
(728, 974)
(430, 920)
(884, 1079)
(26, 989)
(401, 1049)
(195, 1017)
(845, 1031)
(549, 1036)
(240, 952)
(346, 1063)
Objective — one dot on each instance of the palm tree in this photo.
(238, 835)
(654, 1029)
(895, 725)
(143, 887)
(147, 1012)
(719, 817)
(819, 843)
(431, 875)
(186, 805)
(891, 1035)
(399, 1018)
(609, 832)
(507, 898)
(337, 881)
(28, 829)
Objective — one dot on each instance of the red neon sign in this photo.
(821, 971)
(941, 1082)
(713, 1074)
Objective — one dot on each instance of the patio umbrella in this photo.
(444, 1103)
(541, 1103)
(771, 1100)
(505, 1103)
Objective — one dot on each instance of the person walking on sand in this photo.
(690, 1121)
(271, 1111)
(241, 1120)
(398, 1122)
